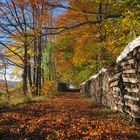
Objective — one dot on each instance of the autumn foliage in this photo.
(49, 88)
(46, 42)
(64, 40)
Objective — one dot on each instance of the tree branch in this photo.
(11, 50)
(13, 63)
(71, 27)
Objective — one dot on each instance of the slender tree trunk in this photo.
(43, 79)
(39, 66)
(35, 68)
(100, 37)
(36, 83)
(25, 87)
(50, 65)
(6, 83)
(29, 73)
(100, 12)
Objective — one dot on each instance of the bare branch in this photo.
(13, 63)
(11, 50)
(71, 27)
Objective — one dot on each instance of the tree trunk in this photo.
(39, 66)
(6, 83)
(29, 73)
(25, 88)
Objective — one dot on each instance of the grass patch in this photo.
(107, 111)
(15, 99)
(20, 98)
(53, 94)
(39, 98)
(4, 104)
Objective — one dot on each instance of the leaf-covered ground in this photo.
(65, 117)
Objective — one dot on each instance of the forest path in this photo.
(68, 116)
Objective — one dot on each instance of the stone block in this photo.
(130, 80)
(132, 90)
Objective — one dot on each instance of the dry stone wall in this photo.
(119, 86)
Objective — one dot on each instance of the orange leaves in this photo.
(79, 11)
(79, 59)
(49, 87)
(43, 19)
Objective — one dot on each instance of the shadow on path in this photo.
(68, 116)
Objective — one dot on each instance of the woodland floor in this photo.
(68, 116)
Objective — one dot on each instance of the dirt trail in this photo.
(65, 117)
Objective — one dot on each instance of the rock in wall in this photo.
(119, 87)
(129, 71)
